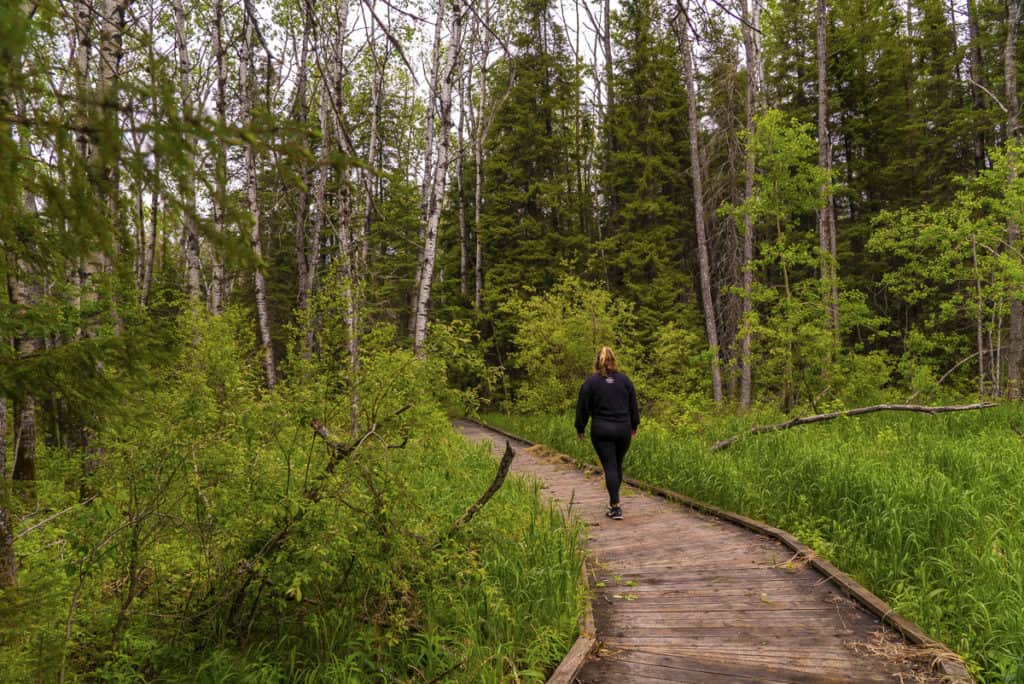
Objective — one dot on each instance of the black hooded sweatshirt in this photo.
(609, 399)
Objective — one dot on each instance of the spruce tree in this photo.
(531, 227)
(649, 241)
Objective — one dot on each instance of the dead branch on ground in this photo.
(499, 479)
(805, 420)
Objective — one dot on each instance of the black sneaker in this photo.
(614, 512)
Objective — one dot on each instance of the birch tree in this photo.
(187, 175)
(247, 83)
(751, 30)
(220, 171)
(704, 261)
(1013, 238)
(826, 215)
(439, 177)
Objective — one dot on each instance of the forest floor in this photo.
(681, 596)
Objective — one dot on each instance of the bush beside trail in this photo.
(211, 542)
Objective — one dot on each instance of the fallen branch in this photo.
(499, 479)
(759, 429)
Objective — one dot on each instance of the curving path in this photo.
(681, 596)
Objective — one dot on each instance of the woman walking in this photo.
(608, 400)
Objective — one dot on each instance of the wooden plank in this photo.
(711, 593)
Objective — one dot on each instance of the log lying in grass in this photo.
(804, 420)
(499, 479)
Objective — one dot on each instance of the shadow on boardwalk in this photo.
(681, 596)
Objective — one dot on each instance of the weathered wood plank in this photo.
(691, 595)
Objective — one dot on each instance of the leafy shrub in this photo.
(558, 335)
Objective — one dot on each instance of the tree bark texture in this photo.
(426, 186)
(220, 158)
(1016, 323)
(186, 183)
(8, 569)
(440, 175)
(3, 439)
(247, 82)
(301, 116)
(975, 65)
(826, 216)
(710, 322)
(24, 294)
(751, 27)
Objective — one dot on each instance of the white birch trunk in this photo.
(444, 105)
(246, 79)
(826, 215)
(186, 184)
(710, 322)
(1015, 345)
(220, 158)
(752, 48)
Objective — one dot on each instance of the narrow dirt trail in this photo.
(681, 596)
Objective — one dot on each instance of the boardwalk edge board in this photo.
(585, 643)
(947, 661)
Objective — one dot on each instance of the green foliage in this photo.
(557, 337)
(952, 272)
(649, 235)
(218, 540)
(470, 381)
(532, 226)
(923, 510)
(675, 384)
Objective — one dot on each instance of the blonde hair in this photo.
(605, 362)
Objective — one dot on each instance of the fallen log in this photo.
(804, 420)
(499, 479)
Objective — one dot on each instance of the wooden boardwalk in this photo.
(680, 596)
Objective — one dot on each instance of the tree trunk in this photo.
(24, 435)
(478, 189)
(301, 201)
(975, 71)
(3, 441)
(376, 99)
(346, 270)
(247, 83)
(82, 13)
(319, 192)
(154, 213)
(429, 175)
(186, 182)
(8, 568)
(710, 322)
(826, 216)
(24, 295)
(979, 321)
(440, 174)
(220, 157)
(459, 169)
(752, 49)
(112, 24)
(1016, 323)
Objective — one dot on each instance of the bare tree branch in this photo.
(499, 479)
(759, 429)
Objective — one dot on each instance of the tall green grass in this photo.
(926, 511)
(221, 542)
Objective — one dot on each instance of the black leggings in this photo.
(611, 442)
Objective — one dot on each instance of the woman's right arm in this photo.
(582, 409)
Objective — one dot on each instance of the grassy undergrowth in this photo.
(926, 511)
(216, 540)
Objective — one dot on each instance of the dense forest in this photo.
(255, 252)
